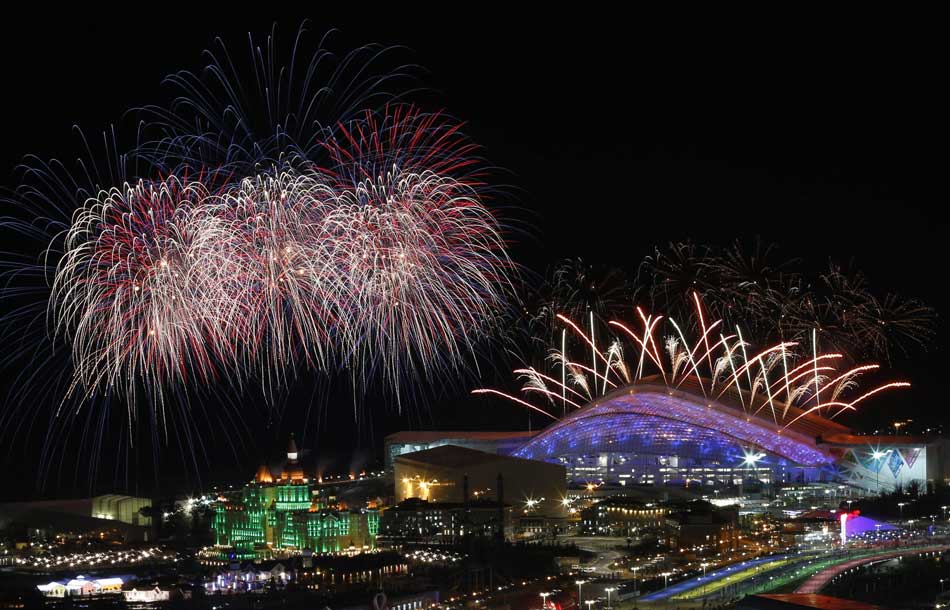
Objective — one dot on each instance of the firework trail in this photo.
(748, 286)
(272, 103)
(422, 257)
(45, 407)
(773, 379)
(754, 289)
(123, 290)
(283, 290)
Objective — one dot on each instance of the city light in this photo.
(294, 244)
(751, 458)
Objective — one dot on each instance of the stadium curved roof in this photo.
(669, 416)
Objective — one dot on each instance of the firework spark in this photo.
(772, 379)
(750, 287)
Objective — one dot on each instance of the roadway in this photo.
(604, 547)
(768, 573)
(719, 578)
(820, 580)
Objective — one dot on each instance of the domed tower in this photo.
(293, 489)
(292, 449)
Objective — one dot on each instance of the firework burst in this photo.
(783, 382)
(257, 228)
(422, 256)
(769, 297)
(124, 289)
(165, 282)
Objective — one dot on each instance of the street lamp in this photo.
(609, 590)
(666, 579)
(590, 604)
(579, 583)
(544, 600)
(634, 570)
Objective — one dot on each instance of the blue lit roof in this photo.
(651, 418)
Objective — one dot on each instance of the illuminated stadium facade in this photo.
(648, 433)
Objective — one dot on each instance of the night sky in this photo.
(618, 134)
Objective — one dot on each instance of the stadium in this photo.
(652, 433)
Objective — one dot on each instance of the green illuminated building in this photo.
(284, 515)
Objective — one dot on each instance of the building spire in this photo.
(292, 449)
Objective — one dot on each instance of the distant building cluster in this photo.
(237, 577)
(284, 514)
(83, 587)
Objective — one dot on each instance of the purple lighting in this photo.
(653, 421)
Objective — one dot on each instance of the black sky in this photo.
(619, 132)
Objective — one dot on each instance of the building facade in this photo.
(620, 516)
(419, 521)
(284, 514)
(127, 509)
(450, 473)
